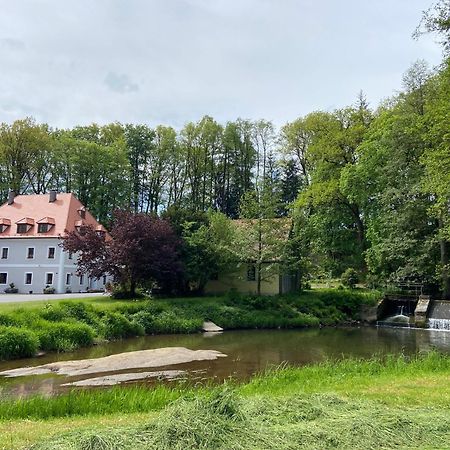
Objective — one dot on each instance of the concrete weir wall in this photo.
(421, 311)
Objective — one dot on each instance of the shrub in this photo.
(17, 343)
(11, 289)
(49, 290)
(349, 278)
(52, 313)
(82, 312)
(117, 326)
(145, 319)
(64, 336)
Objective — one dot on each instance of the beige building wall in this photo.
(238, 281)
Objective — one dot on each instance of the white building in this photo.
(31, 227)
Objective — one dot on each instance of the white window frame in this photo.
(53, 278)
(25, 279)
(104, 280)
(34, 253)
(68, 279)
(81, 279)
(6, 282)
(48, 251)
(7, 253)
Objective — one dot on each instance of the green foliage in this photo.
(64, 336)
(350, 278)
(65, 326)
(117, 326)
(17, 343)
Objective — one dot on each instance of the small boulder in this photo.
(211, 327)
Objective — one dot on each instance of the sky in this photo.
(74, 62)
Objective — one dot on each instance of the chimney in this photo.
(52, 196)
(11, 195)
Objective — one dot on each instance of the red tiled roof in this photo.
(49, 220)
(62, 213)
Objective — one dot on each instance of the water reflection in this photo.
(248, 352)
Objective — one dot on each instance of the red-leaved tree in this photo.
(142, 250)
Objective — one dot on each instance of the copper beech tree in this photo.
(141, 250)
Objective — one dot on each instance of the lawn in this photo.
(380, 403)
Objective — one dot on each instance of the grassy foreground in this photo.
(389, 403)
(67, 325)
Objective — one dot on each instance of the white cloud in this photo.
(157, 61)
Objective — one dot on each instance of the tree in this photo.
(209, 249)
(436, 20)
(20, 147)
(142, 251)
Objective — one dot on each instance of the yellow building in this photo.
(261, 249)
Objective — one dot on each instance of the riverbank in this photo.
(67, 325)
(380, 403)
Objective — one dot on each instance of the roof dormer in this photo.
(45, 224)
(82, 212)
(4, 224)
(24, 225)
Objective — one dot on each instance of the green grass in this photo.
(386, 380)
(345, 404)
(68, 325)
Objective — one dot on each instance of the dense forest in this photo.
(368, 188)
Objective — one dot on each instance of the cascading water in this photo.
(439, 315)
(439, 324)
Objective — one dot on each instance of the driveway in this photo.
(18, 298)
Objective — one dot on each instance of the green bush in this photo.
(146, 320)
(64, 336)
(117, 326)
(350, 278)
(17, 343)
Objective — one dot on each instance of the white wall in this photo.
(17, 265)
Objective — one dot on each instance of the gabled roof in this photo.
(30, 209)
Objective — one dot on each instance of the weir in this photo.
(420, 312)
(439, 315)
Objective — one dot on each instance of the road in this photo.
(18, 298)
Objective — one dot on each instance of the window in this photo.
(3, 228)
(251, 272)
(70, 255)
(3, 277)
(51, 253)
(44, 227)
(22, 227)
(104, 280)
(68, 278)
(81, 279)
(29, 278)
(49, 278)
(30, 253)
(5, 251)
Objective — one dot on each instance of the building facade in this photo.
(31, 256)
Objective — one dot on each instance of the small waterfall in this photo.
(439, 315)
(439, 324)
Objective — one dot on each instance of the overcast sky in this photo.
(69, 62)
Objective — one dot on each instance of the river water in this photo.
(248, 352)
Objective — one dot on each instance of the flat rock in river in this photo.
(111, 380)
(131, 360)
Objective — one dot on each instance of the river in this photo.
(248, 352)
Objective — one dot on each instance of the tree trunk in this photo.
(445, 252)
(132, 287)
